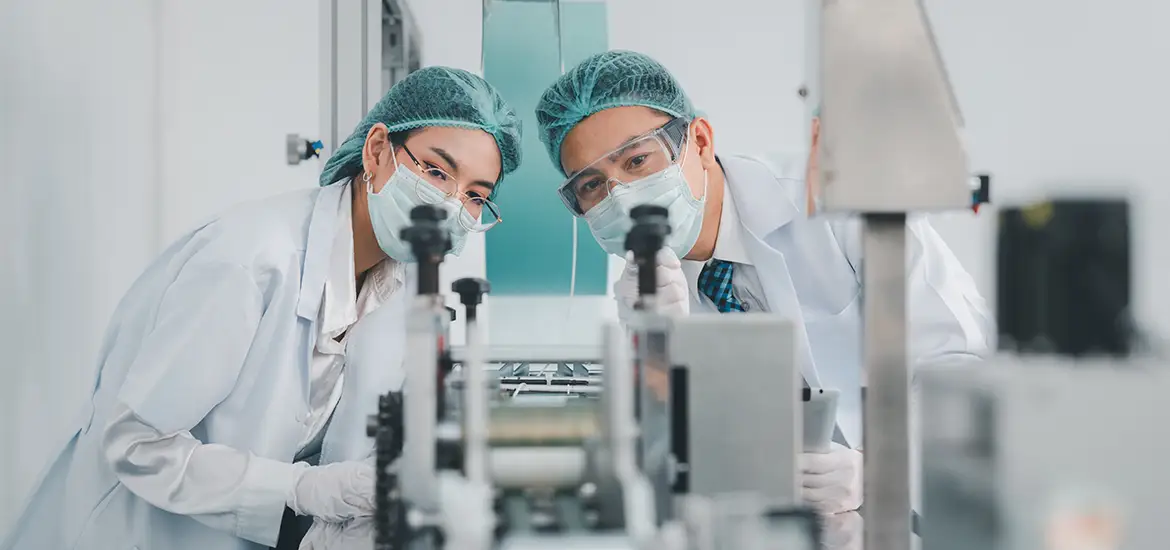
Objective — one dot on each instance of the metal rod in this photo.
(475, 405)
(418, 481)
(886, 384)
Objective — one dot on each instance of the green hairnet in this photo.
(606, 80)
(433, 96)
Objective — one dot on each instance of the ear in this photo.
(704, 139)
(377, 150)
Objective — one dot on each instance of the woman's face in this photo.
(470, 159)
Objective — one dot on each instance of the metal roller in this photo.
(538, 425)
(537, 467)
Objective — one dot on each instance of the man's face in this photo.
(592, 141)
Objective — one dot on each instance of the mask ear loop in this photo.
(367, 178)
(686, 152)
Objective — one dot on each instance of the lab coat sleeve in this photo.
(214, 484)
(949, 320)
(187, 365)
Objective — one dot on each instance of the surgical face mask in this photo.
(390, 212)
(609, 221)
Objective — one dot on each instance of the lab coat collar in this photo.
(339, 305)
(729, 242)
(342, 306)
(763, 204)
(766, 201)
(319, 248)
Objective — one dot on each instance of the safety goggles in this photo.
(634, 160)
(484, 212)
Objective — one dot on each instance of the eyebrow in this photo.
(451, 164)
(454, 166)
(588, 172)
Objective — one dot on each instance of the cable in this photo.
(572, 282)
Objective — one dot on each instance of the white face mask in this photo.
(609, 221)
(390, 212)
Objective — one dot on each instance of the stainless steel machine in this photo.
(669, 453)
(889, 147)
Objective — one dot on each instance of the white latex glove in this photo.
(354, 534)
(335, 492)
(673, 298)
(842, 531)
(832, 481)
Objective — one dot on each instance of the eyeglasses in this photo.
(475, 214)
(634, 160)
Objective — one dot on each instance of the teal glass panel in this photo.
(526, 43)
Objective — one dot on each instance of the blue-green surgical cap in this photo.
(610, 79)
(433, 96)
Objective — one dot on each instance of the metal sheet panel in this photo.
(889, 139)
(744, 402)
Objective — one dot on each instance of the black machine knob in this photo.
(427, 213)
(645, 239)
(429, 240)
(471, 291)
(427, 235)
(643, 211)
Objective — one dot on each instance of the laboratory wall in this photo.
(1068, 96)
(79, 209)
(123, 124)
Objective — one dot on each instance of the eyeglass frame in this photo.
(486, 201)
(675, 132)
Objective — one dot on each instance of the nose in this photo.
(452, 208)
(612, 183)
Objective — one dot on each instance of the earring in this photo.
(366, 179)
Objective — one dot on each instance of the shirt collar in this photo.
(341, 306)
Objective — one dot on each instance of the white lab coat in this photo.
(810, 271)
(215, 338)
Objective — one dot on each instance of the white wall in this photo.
(236, 78)
(122, 124)
(77, 151)
(1071, 95)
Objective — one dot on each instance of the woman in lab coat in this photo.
(256, 345)
(624, 133)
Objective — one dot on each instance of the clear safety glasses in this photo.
(635, 160)
(483, 214)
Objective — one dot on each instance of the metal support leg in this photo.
(886, 377)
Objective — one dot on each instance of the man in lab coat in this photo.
(624, 133)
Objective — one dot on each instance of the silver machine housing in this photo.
(1034, 453)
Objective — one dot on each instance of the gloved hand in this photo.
(354, 534)
(335, 492)
(673, 297)
(832, 481)
(841, 531)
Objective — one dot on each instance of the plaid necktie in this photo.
(715, 283)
